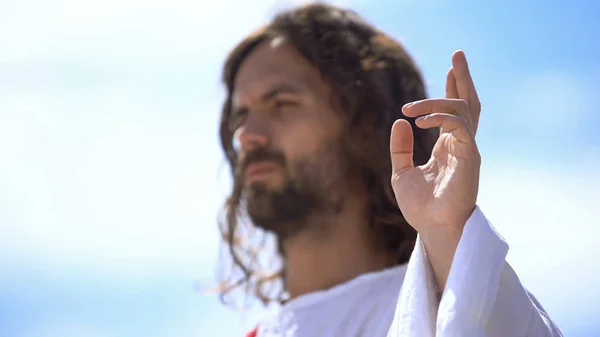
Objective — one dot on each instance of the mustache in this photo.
(260, 154)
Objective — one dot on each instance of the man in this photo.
(335, 150)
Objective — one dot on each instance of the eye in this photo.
(237, 118)
(239, 112)
(284, 103)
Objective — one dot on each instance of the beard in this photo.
(313, 189)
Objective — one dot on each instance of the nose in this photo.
(251, 135)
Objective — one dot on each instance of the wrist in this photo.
(440, 245)
(438, 235)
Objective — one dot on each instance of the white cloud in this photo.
(547, 215)
(109, 174)
(118, 32)
(552, 100)
(549, 107)
(111, 30)
(134, 192)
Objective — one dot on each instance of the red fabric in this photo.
(252, 333)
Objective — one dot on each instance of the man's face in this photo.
(288, 135)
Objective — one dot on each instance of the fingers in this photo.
(457, 107)
(465, 86)
(401, 147)
(458, 126)
(451, 89)
(464, 82)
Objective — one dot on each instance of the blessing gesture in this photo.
(441, 194)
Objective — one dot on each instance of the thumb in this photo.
(401, 146)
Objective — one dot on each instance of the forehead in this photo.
(275, 62)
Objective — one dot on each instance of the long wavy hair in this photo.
(372, 77)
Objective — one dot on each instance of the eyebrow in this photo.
(278, 89)
(281, 88)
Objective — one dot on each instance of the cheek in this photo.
(300, 141)
(319, 159)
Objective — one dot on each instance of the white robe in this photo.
(483, 297)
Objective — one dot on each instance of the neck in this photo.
(341, 249)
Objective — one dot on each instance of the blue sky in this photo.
(111, 175)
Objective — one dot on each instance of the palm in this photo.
(439, 192)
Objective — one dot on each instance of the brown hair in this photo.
(372, 77)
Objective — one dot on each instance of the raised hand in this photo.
(441, 194)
